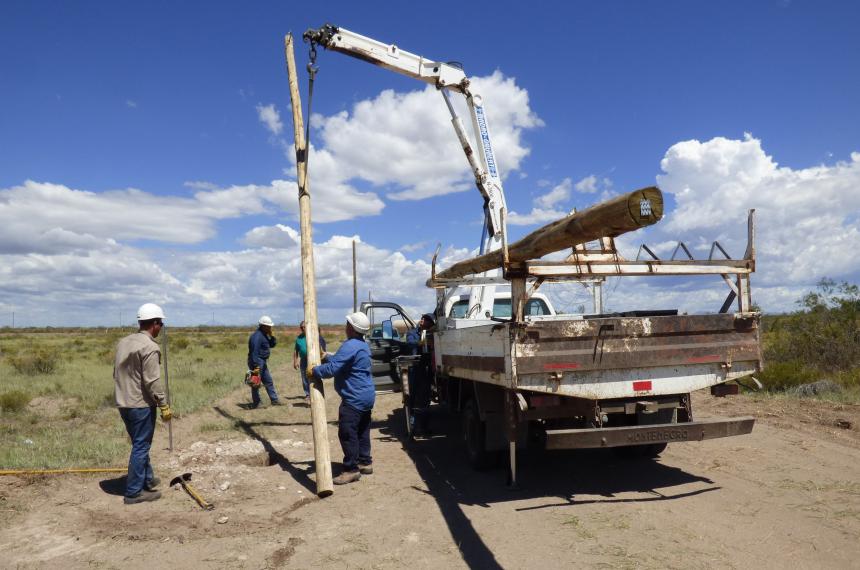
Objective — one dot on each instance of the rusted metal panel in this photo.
(643, 435)
(636, 342)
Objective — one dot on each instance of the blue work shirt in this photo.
(413, 340)
(259, 349)
(350, 366)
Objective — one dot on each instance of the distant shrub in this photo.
(180, 342)
(822, 339)
(14, 401)
(217, 379)
(38, 362)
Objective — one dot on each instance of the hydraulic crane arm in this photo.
(389, 56)
(446, 77)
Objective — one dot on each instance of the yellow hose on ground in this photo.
(62, 471)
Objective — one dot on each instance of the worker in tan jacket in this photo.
(138, 390)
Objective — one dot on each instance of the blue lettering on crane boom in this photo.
(485, 141)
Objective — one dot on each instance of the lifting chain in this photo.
(312, 72)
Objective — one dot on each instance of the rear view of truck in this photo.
(601, 380)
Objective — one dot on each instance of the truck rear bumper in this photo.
(643, 435)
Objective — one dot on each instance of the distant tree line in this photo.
(821, 340)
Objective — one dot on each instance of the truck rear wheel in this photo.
(475, 436)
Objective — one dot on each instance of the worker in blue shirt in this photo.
(260, 344)
(350, 367)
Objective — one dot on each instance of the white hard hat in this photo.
(266, 320)
(149, 311)
(359, 322)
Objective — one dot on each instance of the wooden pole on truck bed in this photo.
(612, 218)
(322, 456)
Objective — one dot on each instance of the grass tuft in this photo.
(14, 401)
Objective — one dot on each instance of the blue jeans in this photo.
(140, 425)
(354, 434)
(269, 384)
(303, 366)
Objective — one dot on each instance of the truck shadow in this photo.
(550, 479)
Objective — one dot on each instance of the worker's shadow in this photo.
(115, 486)
(300, 474)
(547, 479)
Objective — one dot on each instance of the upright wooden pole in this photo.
(322, 455)
(354, 281)
(167, 389)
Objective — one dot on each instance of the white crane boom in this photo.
(445, 77)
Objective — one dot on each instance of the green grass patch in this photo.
(76, 423)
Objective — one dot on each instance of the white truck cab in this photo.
(538, 305)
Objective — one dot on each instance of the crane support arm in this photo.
(389, 56)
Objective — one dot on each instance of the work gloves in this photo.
(309, 372)
(166, 412)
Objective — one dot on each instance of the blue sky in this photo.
(728, 105)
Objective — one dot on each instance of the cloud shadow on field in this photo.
(300, 474)
(598, 475)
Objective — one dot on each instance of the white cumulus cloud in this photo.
(270, 117)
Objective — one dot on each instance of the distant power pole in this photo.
(354, 281)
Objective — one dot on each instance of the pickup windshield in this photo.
(501, 308)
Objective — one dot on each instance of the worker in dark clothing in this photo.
(260, 344)
(420, 342)
(350, 367)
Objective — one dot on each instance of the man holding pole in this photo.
(138, 390)
(353, 382)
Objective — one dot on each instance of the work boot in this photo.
(365, 469)
(152, 484)
(143, 497)
(347, 477)
(277, 403)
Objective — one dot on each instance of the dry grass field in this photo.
(56, 388)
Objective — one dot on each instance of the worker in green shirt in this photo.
(300, 356)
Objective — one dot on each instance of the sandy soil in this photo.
(786, 495)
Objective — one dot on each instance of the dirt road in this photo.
(786, 495)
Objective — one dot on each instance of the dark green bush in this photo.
(38, 362)
(820, 340)
(14, 401)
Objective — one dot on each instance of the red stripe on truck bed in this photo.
(561, 366)
(641, 385)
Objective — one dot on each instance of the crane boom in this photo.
(446, 77)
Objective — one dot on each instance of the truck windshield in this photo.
(501, 308)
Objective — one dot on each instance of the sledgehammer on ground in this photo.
(184, 481)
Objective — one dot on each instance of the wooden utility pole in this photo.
(354, 281)
(322, 455)
(623, 214)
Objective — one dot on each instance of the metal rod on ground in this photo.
(354, 281)
(322, 456)
(167, 390)
(63, 471)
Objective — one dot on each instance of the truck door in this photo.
(387, 340)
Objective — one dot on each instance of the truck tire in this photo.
(475, 437)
